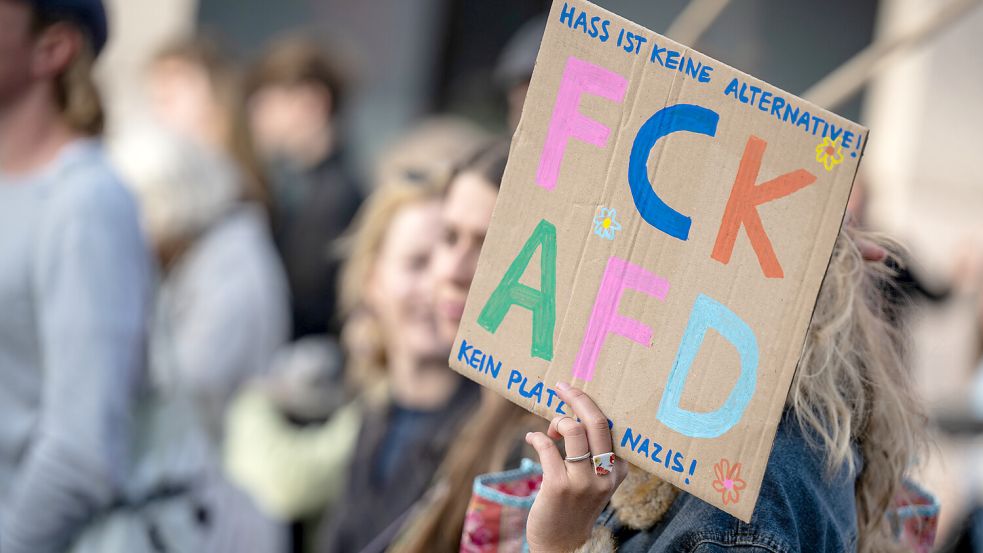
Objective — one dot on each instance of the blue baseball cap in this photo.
(88, 14)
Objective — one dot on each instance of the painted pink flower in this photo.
(728, 482)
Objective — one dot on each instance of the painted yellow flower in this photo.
(829, 153)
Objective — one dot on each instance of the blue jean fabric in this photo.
(801, 507)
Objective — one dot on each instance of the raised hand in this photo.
(573, 493)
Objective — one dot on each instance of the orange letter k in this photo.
(742, 207)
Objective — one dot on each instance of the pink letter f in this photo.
(579, 77)
(619, 275)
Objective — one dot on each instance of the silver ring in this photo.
(583, 457)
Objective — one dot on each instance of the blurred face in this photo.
(466, 215)
(16, 45)
(183, 100)
(284, 119)
(400, 290)
(28, 57)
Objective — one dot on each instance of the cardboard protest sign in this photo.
(662, 231)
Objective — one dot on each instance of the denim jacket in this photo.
(800, 508)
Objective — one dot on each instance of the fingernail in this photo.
(563, 386)
(528, 434)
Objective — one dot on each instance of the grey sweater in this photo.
(74, 295)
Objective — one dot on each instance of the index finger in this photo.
(598, 431)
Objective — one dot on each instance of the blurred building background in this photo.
(923, 104)
(413, 58)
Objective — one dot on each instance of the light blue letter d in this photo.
(709, 313)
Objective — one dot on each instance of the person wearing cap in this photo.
(74, 282)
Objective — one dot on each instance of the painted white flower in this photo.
(606, 223)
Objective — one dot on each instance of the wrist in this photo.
(599, 540)
(565, 543)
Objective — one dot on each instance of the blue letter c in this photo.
(680, 117)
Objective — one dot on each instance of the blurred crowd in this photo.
(211, 338)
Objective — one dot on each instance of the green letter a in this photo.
(541, 302)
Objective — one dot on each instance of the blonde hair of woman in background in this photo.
(296, 472)
(362, 335)
(419, 163)
(853, 386)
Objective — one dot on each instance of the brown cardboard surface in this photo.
(626, 282)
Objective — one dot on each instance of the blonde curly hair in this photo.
(853, 388)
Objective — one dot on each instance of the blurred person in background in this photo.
(222, 307)
(74, 285)
(290, 436)
(295, 93)
(289, 439)
(196, 91)
(414, 404)
(492, 439)
(221, 313)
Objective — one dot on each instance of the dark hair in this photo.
(76, 94)
(488, 162)
(295, 61)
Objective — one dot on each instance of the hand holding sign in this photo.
(572, 495)
(661, 235)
